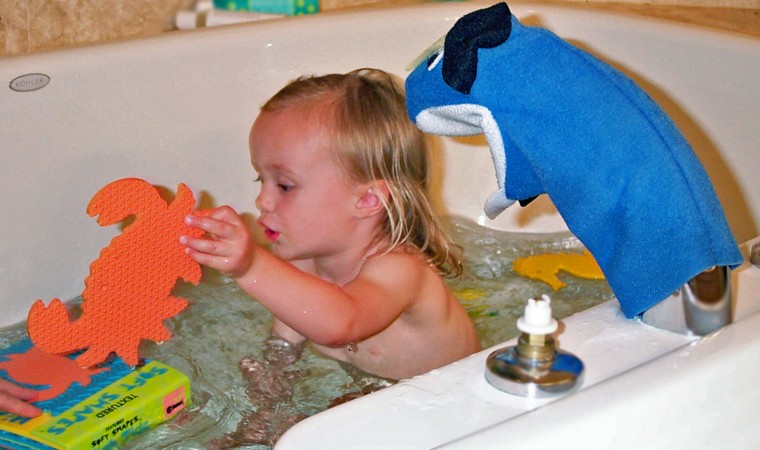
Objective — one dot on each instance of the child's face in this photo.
(305, 202)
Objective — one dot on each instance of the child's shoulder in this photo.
(402, 262)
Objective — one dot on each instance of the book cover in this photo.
(92, 408)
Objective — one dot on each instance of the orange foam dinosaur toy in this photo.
(127, 294)
(39, 368)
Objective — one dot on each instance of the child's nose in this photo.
(264, 201)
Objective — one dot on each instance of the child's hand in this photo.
(228, 246)
(14, 399)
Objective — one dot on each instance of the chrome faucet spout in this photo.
(707, 300)
(699, 307)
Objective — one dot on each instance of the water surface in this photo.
(250, 407)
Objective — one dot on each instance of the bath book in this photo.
(87, 408)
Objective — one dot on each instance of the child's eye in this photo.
(285, 187)
(257, 179)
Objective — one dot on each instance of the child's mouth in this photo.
(270, 234)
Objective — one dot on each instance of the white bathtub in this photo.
(177, 108)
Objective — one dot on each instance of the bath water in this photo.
(251, 407)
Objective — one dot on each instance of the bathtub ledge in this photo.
(455, 403)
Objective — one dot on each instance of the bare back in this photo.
(432, 328)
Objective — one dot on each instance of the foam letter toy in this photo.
(127, 294)
(559, 121)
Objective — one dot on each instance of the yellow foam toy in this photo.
(127, 294)
(545, 267)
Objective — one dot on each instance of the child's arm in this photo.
(321, 311)
(14, 399)
(280, 329)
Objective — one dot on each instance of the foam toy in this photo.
(36, 367)
(127, 294)
(561, 122)
(545, 267)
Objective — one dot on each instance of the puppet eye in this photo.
(434, 59)
(429, 52)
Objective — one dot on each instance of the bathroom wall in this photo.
(31, 25)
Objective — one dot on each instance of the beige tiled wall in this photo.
(30, 25)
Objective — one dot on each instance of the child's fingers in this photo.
(221, 223)
(208, 246)
(14, 398)
(224, 264)
(223, 213)
(201, 257)
(223, 247)
(211, 225)
(18, 407)
(15, 390)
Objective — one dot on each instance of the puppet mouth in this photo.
(467, 119)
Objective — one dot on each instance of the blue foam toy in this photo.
(561, 122)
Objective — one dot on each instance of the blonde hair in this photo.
(373, 139)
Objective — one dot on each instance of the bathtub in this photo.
(177, 108)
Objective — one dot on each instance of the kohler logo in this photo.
(29, 82)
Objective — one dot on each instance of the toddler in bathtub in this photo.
(357, 255)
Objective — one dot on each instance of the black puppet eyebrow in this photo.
(485, 28)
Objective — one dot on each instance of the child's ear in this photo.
(371, 198)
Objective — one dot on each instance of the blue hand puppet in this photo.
(559, 121)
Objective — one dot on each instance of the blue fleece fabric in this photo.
(561, 122)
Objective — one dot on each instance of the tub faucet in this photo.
(754, 255)
(699, 307)
(535, 367)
